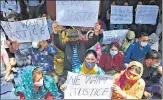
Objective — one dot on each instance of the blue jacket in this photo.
(44, 59)
(136, 53)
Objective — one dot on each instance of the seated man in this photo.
(138, 50)
(152, 74)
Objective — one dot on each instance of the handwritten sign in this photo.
(3, 39)
(121, 15)
(88, 86)
(27, 30)
(114, 36)
(77, 12)
(146, 14)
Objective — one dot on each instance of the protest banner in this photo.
(27, 30)
(114, 36)
(83, 86)
(121, 15)
(146, 14)
(3, 39)
(77, 12)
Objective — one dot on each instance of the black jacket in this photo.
(67, 49)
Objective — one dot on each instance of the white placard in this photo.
(121, 15)
(114, 36)
(146, 14)
(77, 12)
(88, 86)
(27, 30)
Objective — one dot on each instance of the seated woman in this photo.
(89, 66)
(112, 61)
(34, 85)
(129, 84)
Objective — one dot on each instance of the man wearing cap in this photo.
(128, 41)
(74, 50)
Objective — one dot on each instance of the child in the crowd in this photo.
(129, 84)
(152, 75)
(35, 85)
(130, 38)
(42, 55)
(112, 61)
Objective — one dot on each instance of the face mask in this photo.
(113, 53)
(89, 64)
(40, 83)
(35, 44)
(144, 44)
(73, 43)
(156, 65)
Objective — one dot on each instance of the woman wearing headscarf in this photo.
(34, 85)
(112, 61)
(128, 40)
(129, 84)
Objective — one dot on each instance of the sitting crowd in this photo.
(39, 70)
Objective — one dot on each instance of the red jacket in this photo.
(108, 63)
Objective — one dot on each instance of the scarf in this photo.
(125, 83)
(26, 86)
(75, 58)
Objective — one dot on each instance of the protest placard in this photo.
(88, 86)
(121, 15)
(77, 12)
(27, 30)
(114, 36)
(3, 39)
(146, 14)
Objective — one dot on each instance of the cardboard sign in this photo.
(77, 12)
(121, 15)
(114, 36)
(146, 14)
(88, 86)
(27, 30)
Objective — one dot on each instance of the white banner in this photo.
(77, 12)
(88, 86)
(114, 36)
(27, 30)
(121, 15)
(146, 14)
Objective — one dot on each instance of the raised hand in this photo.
(97, 29)
(55, 27)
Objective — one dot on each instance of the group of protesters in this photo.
(39, 71)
